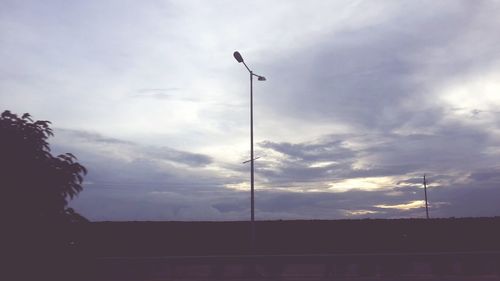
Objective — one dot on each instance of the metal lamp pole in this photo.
(239, 58)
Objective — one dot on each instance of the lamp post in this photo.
(239, 58)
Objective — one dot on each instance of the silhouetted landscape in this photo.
(289, 237)
(342, 140)
(142, 250)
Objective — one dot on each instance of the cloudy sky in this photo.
(362, 99)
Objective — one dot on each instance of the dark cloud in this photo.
(327, 205)
(188, 158)
(138, 150)
(101, 204)
(130, 185)
(91, 137)
(231, 206)
(139, 190)
(448, 149)
(327, 160)
(105, 205)
(456, 200)
(473, 198)
(380, 77)
(304, 162)
(490, 175)
(333, 149)
(128, 181)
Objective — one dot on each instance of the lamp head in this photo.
(261, 78)
(238, 56)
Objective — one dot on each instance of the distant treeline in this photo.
(287, 237)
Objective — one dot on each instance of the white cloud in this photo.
(405, 206)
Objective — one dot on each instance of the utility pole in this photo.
(426, 202)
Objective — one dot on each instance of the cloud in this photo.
(357, 107)
(157, 93)
(131, 150)
(90, 137)
(129, 181)
(384, 76)
(448, 150)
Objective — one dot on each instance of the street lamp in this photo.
(239, 59)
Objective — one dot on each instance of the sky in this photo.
(362, 99)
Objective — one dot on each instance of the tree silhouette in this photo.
(35, 188)
(35, 185)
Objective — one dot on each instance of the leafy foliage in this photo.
(34, 184)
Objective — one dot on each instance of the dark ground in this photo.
(288, 237)
(402, 249)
